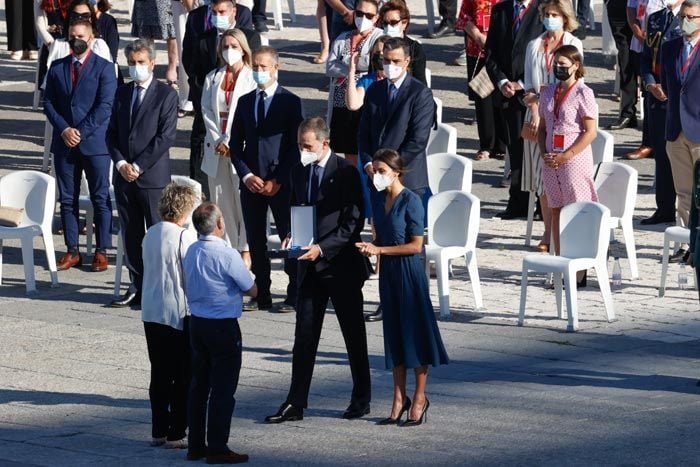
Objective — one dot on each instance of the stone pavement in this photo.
(74, 377)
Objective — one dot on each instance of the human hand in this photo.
(367, 249)
(530, 98)
(349, 17)
(507, 90)
(71, 137)
(286, 242)
(550, 160)
(657, 91)
(254, 184)
(312, 253)
(270, 188)
(128, 172)
(222, 150)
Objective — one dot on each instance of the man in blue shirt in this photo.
(215, 280)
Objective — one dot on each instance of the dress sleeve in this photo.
(587, 106)
(415, 216)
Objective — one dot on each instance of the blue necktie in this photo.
(516, 17)
(314, 183)
(261, 108)
(137, 103)
(393, 90)
(687, 48)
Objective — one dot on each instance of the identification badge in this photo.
(641, 11)
(558, 143)
(485, 22)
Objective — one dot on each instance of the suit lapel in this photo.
(400, 96)
(146, 103)
(89, 64)
(328, 175)
(531, 15)
(692, 67)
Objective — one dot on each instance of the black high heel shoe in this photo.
(395, 421)
(423, 416)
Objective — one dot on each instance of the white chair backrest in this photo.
(438, 109)
(584, 229)
(602, 147)
(449, 172)
(34, 191)
(453, 219)
(442, 139)
(428, 77)
(616, 184)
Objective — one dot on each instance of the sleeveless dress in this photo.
(411, 334)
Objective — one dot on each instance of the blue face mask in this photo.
(553, 24)
(221, 22)
(261, 77)
(92, 2)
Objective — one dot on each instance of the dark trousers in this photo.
(486, 122)
(69, 172)
(138, 210)
(347, 300)
(169, 353)
(197, 151)
(583, 8)
(512, 117)
(626, 61)
(448, 11)
(216, 364)
(255, 208)
(665, 192)
(21, 34)
(258, 11)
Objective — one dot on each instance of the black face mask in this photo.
(562, 73)
(74, 17)
(78, 46)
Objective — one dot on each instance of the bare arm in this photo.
(581, 143)
(413, 247)
(253, 291)
(354, 97)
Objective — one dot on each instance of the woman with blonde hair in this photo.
(222, 88)
(559, 20)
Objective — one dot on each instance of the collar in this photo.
(211, 238)
(80, 60)
(322, 163)
(146, 83)
(693, 42)
(399, 81)
(270, 90)
(525, 4)
(677, 10)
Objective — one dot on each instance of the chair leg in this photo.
(292, 11)
(556, 279)
(523, 296)
(601, 272)
(628, 236)
(427, 272)
(48, 133)
(1, 262)
(28, 261)
(473, 270)
(118, 266)
(430, 13)
(277, 14)
(443, 281)
(47, 237)
(89, 220)
(530, 218)
(571, 305)
(664, 266)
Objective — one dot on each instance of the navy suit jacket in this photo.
(683, 111)
(147, 142)
(404, 126)
(85, 108)
(272, 152)
(340, 219)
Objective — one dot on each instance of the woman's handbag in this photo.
(481, 82)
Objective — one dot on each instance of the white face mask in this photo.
(363, 24)
(232, 56)
(393, 31)
(261, 78)
(308, 157)
(381, 182)
(688, 27)
(392, 71)
(221, 22)
(139, 73)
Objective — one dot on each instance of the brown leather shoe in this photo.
(642, 152)
(227, 458)
(99, 262)
(68, 261)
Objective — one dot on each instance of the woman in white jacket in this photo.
(222, 88)
(559, 20)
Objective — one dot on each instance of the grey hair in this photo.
(205, 217)
(690, 3)
(137, 46)
(317, 126)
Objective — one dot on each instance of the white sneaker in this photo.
(177, 444)
(155, 442)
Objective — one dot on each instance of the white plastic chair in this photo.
(602, 147)
(442, 139)
(277, 13)
(676, 234)
(453, 226)
(616, 184)
(36, 193)
(438, 109)
(584, 245)
(428, 77)
(449, 172)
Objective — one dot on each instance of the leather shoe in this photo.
(442, 30)
(253, 304)
(657, 218)
(510, 214)
(376, 316)
(196, 454)
(622, 123)
(129, 299)
(284, 307)
(641, 152)
(678, 255)
(69, 260)
(353, 412)
(229, 457)
(99, 262)
(286, 413)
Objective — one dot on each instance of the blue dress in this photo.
(411, 334)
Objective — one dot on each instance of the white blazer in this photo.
(60, 49)
(210, 113)
(534, 72)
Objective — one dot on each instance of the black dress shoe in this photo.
(284, 307)
(442, 30)
(622, 123)
(286, 413)
(253, 304)
(376, 316)
(657, 218)
(196, 454)
(260, 26)
(129, 299)
(678, 255)
(510, 214)
(353, 412)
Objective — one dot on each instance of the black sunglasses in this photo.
(362, 14)
(393, 22)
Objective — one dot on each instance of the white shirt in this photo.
(134, 96)
(162, 294)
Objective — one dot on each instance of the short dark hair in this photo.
(397, 43)
(205, 217)
(317, 126)
(572, 53)
(371, 2)
(266, 49)
(397, 5)
(216, 2)
(391, 158)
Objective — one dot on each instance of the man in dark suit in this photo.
(199, 20)
(680, 79)
(331, 268)
(199, 57)
(141, 131)
(627, 64)
(662, 26)
(514, 24)
(79, 94)
(448, 14)
(263, 151)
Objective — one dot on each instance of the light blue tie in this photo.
(687, 48)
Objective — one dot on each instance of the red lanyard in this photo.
(559, 99)
(522, 13)
(73, 77)
(229, 86)
(549, 60)
(684, 66)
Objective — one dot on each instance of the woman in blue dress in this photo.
(411, 335)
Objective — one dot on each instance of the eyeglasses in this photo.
(688, 17)
(393, 22)
(362, 14)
